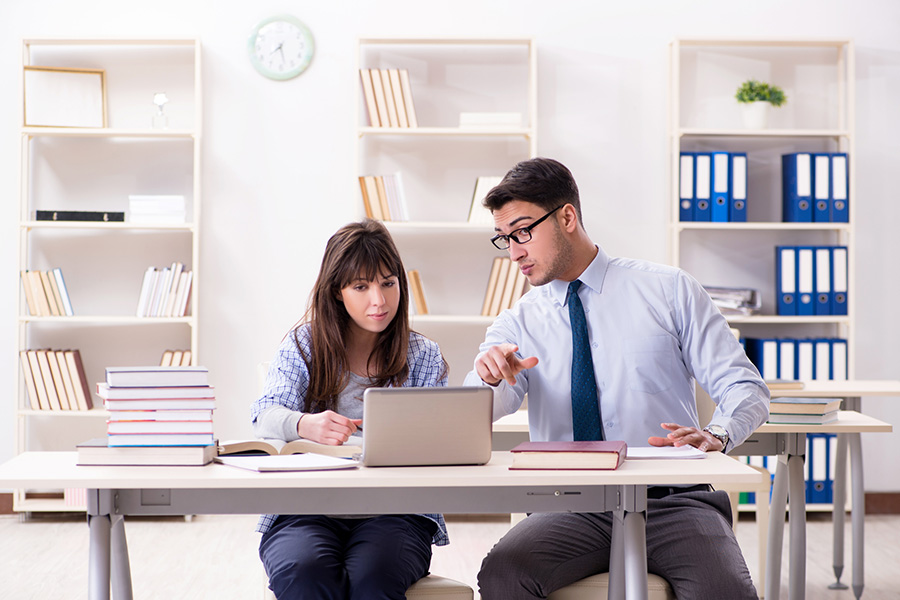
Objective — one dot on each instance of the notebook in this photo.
(427, 426)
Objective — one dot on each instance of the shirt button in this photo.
(609, 424)
(594, 345)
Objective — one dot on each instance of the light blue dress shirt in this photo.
(653, 329)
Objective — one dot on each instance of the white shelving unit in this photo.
(65, 168)
(817, 76)
(439, 162)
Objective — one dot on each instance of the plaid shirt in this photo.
(288, 381)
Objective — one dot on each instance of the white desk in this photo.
(852, 392)
(788, 442)
(216, 489)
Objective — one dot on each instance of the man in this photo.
(612, 357)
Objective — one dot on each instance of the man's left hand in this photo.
(684, 436)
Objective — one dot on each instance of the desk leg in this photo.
(839, 499)
(121, 568)
(776, 530)
(797, 498)
(859, 512)
(99, 549)
(616, 590)
(635, 542)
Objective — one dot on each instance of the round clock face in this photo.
(281, 47)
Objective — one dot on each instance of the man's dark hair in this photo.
(542, 181)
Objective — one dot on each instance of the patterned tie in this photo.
(586, 423)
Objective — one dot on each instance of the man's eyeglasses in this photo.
(519, 236)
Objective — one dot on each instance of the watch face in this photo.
(281, 47)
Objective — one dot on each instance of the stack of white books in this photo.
(165, 292)
(158, 406)
(156, 210)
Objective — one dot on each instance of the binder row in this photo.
(713, 186)
(818, 469)
(815, 187)
(798, 359)
(811, 280)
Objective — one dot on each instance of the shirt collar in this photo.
(592, 277)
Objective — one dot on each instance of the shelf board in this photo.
(454, 319)
(765, 42)
(108, 320)
(525, 132)
(783, 320)
(461, 41)
(70, 41)
(705, 132)
(186, 227)
(78, 414)
(760, 226)
(455, 226)
(108, 132)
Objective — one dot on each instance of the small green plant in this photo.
(755, 91)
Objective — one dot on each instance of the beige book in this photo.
(382, 198)
(30, 385)
(58, 380)
(389, 97)
(402, 120)
(510, 286)
(68, 384)
(499, 288)
(519, 286)
(43, 397)
(185, 299)
(79, 380)
(186, 358)
(166, 360)
(55, 293)
(47, 377)
(48, 294)
(407, 98)
(372, 192)
(367, 202)
(176, 357)
(492, 284)
(40, 296)
(380, 99)
(417, 292)
(369, 95)
(29, 295)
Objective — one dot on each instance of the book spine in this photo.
(79, 215)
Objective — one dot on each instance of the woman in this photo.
(355, 335)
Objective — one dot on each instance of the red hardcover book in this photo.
(569, 455)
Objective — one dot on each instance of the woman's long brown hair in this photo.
(358, 250)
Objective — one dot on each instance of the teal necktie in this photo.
(586, 423)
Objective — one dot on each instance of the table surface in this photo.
(58, 469)
(849, 421)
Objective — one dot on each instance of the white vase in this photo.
(755, 114)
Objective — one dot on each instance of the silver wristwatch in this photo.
(718, 432)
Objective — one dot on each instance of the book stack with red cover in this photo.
(158, 406)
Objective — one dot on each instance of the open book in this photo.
(352, 448)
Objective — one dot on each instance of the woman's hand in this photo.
(327, 427)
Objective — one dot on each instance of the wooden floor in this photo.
(214, 557)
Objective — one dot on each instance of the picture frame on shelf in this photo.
(64, 97)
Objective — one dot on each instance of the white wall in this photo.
(279, 157)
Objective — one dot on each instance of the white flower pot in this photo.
(755, 114)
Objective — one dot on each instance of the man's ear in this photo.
(569, 218)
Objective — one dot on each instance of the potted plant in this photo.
(755, 97)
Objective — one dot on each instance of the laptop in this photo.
(408, 426)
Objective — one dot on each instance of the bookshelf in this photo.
(818, 78)
(440, 161)
(96, 169)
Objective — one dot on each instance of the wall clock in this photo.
(281, 47)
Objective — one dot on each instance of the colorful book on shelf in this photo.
(417, 292)
(157, 376)
(98, 452)
(79, 215)
(569, 455)
(352, 448)
(804, 406)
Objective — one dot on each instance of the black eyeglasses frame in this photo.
(500, 239)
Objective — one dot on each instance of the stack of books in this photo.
(158, 406)
(735, 301)
(804, 410)
(156, 209)
(165, 292)
(506, 284)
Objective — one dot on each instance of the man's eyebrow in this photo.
(515, 221)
